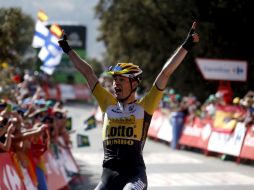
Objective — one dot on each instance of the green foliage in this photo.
(16, 32)
(147, 32)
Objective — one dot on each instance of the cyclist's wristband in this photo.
(64, 45)
(189, 43)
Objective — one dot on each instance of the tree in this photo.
(16, 32)
(231, 36)
(147, 32)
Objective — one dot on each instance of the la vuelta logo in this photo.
(11, 180)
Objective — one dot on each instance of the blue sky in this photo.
(81, 11)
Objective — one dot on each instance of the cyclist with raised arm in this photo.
(126, 119)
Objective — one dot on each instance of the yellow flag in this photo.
(42, 16)
(56, 30)
(4, 65)
(223, 121)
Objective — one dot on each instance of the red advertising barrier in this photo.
(82, 92)
(67, 92)
(228, 143)
(165, 132)
(52, 92)
(55, 171)
(56, 168)
(75, 92)
(196, 134)
(9, 177)
(228, 137)
(156, 123)
(55, 174)
(247, 150)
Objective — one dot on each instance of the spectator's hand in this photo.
(64, 44)
(11, 129)
(44, 127)
(191, 39)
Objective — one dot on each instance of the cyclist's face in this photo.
(121, 86)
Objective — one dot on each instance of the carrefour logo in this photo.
(219, 69)
(238, 70)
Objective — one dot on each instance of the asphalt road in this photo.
(166, 168)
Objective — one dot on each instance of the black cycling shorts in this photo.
(121, 180)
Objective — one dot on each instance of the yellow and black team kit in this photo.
(124, 134)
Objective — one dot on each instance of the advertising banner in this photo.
(56, 176)
(9, 177)
(230, 144)
(248, 144)
(196, 134)
(156, 123)
(220, 69)
(165, 132)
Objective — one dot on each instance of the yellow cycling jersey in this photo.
(125, 128)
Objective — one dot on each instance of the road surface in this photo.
(166, 168)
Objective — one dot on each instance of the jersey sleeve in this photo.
(103, 97)
(151, 100)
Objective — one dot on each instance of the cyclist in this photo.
(126, 120)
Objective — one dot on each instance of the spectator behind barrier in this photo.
(248, 103)
(7, 128)
(60, 119)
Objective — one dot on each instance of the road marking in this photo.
(172, 179)
(198, 179)
(94, 159)
(169, 158)
(153, 158)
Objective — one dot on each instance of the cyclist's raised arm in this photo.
(84, 68)
(175, 60)
(81, 65)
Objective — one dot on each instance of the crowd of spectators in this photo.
(192, 107)
(220, 108)
(30, 124)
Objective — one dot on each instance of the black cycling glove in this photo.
(189, 43)
(64, 44)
